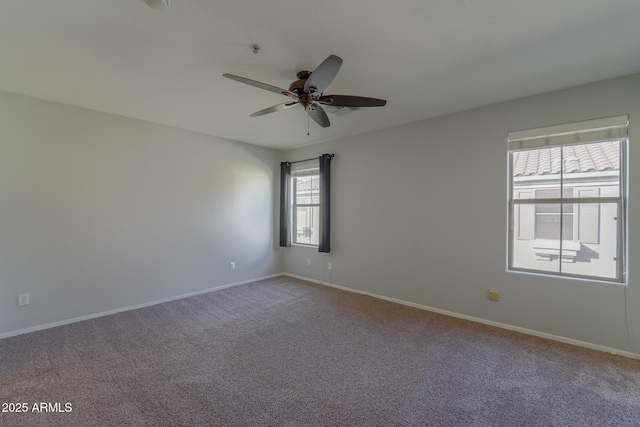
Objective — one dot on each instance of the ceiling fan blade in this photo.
(260, 85)
(316, 112)
(324, 74)
(351, 101)
(273, 109)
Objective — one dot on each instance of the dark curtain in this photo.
(285, 203)
(325, 203)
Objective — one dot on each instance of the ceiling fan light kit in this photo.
(308, 91)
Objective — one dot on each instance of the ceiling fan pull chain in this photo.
(307, 123)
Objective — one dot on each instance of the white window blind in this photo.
(588, 131)
(306, 168)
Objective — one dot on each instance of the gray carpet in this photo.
(283, 352)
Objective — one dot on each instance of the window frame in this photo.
(515, 205)
(311, 170)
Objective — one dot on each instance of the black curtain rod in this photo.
(306, 160)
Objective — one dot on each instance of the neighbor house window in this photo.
(551, 220)
(567, 207)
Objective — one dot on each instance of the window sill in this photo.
(304, 245)
(594, 279)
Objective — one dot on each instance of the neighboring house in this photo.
(589, 230)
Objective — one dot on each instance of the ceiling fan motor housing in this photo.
(298, 86)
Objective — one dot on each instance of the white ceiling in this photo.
(426, 57)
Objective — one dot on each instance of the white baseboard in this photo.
(131, 307)
(624, 353)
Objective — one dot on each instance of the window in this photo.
(567, 209)
(305, 203)
(305, 209)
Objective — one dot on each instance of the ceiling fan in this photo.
(308, 91)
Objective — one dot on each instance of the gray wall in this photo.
(420, 215)
(100, 212)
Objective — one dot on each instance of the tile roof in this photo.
(603, 156)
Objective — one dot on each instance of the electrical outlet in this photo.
(494, 295)
(23, 299)
(329, 266)
(232, 265)
(308, 261)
